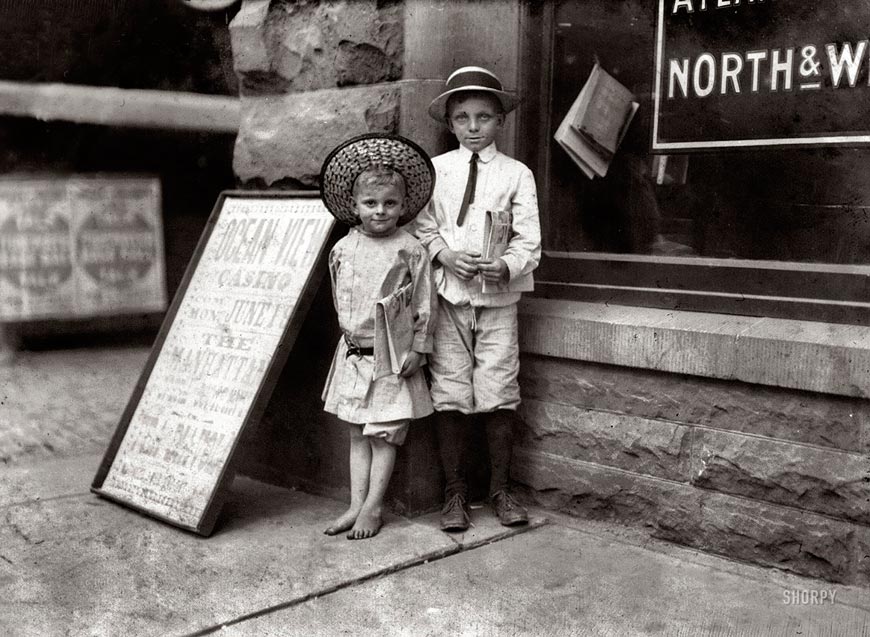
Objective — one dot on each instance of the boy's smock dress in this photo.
(365, 269)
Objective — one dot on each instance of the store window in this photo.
(767, 231)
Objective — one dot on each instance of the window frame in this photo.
(833, 293)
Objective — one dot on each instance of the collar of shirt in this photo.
(485, 155)
(375, 236)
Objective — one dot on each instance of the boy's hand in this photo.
(462, 264)
(495, 271)
(412, 363)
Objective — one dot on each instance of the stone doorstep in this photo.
(833, 359)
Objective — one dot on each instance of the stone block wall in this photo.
(313, 74)
(284, 139)
(774, 476)
(290, 46)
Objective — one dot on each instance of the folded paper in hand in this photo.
(496, 237)
(394, 331)
(597, 122)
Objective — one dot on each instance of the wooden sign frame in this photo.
(122, 458)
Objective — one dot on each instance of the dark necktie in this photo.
(468, 197)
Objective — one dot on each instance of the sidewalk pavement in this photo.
(72, 563)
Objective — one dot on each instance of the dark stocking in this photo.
(451, 429)
(499, 439)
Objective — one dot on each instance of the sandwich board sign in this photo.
(217, 356)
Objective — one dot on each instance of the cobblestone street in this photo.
(62, 403)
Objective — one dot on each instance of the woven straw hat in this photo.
(472, 78)
(358, 154)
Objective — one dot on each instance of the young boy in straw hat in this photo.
(475, 361)
(376, 183)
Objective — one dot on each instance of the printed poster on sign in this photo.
(218, 354)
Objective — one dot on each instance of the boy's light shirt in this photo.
(503, 183)
(357, 264)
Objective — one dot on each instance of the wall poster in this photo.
(80, 246)
(217, 357)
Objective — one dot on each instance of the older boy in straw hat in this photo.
(376, 183)
(475, 360)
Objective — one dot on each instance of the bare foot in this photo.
(342, 523)
(367, 525)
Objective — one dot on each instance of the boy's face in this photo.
(379, 208)
(475, 120)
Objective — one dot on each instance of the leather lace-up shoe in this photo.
(508, 510)
(454, 515)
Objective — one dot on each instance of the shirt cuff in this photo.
(514, 268)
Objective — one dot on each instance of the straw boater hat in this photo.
(472, 78)
(351, 158)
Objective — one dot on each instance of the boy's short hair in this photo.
(379, 176)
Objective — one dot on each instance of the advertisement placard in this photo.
(79, 247)
(224, 341)
(760, 73)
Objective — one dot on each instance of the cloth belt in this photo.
(355, 350)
